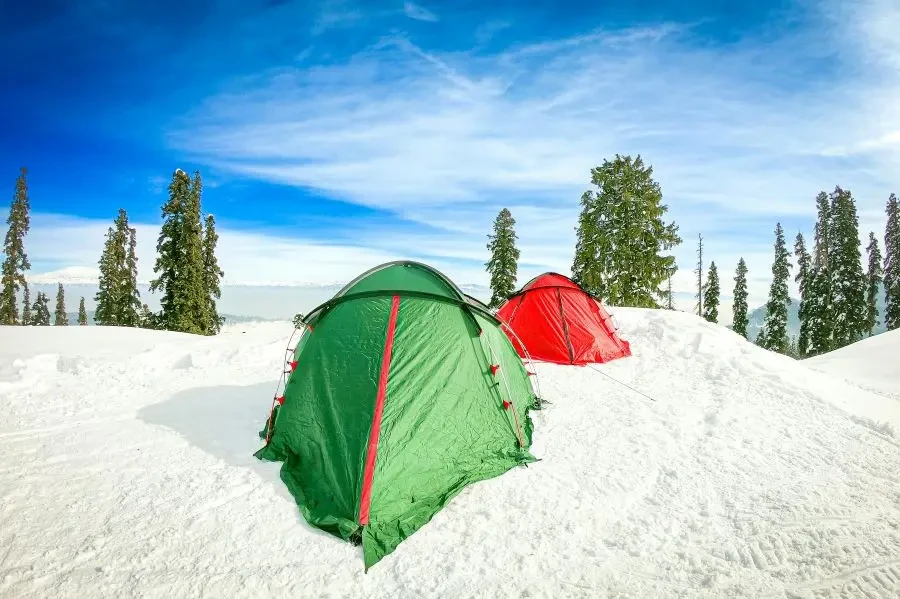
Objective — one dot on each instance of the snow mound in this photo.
(128, 470)
(870, 363)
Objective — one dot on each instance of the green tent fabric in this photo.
(395, 404)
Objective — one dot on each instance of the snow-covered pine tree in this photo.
(775, 327)
(179, 260)
(818, 309)
(503, 263)
(26, 307)
(61, 318)
(212, 275)
(40, 310)
(892, 265)
(147, 318)
(741, 318)
(118, 297)
(711, 294)
(106, 312)
(15, 263)
(699, 272)
(82, 313)
(131, 296)
(874, 278)
(804, 264)
(848, 281)
(621, 236)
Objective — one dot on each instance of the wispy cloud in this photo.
(418, 12)
(740, 135)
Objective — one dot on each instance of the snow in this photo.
(870, 363)
(127, 470)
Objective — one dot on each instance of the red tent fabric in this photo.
(557, 321)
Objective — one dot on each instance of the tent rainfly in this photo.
(401, 392)
(552, 319)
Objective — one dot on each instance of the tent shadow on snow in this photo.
(222, 421)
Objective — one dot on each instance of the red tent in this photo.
(557, 321)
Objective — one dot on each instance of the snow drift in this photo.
(870, 363)
(127, 470)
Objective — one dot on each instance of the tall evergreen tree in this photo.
(874, 278)
(106, 312)
(503, 264)
(15, 263)
(848, 281)
(711, 294)
(212, 276)
(818, 308)
(621, 236)
(892, 265)
(26, 307)
(118, 297)
(82, 313)
(131, 295)
(804, 265)
(61, 317)
(179, 261)
(699, 272)
(774, 335)
(741, 318)
(40, 311)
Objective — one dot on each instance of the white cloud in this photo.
(418, 12)
(739, 135)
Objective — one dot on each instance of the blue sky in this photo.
(335, 135)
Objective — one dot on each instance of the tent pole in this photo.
(527, 355)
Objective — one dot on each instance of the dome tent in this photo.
(401, 392)
(557, 321)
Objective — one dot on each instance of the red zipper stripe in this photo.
(366, 497)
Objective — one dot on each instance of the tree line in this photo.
(622, 255)
(187, 271)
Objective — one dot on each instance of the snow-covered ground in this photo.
(126, 470)
(872, 363)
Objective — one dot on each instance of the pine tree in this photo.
(874, 278)
(82, 313)
(892, 265)
(621, 234)
(804, 265)
(179, 261)
(61, 318)
(711, 294)
(212, 275)
(699, 272)
(12, 272)
(147, 318)
(848, 281)
(818, 308)
(131, 295)
(774, 335)
(118, 297)
(106, 312)
(740, 309)
(40, 311)
(503, 264)
(26, 307)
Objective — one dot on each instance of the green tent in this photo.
(402, 390)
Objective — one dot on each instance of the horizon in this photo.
(397, 130)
